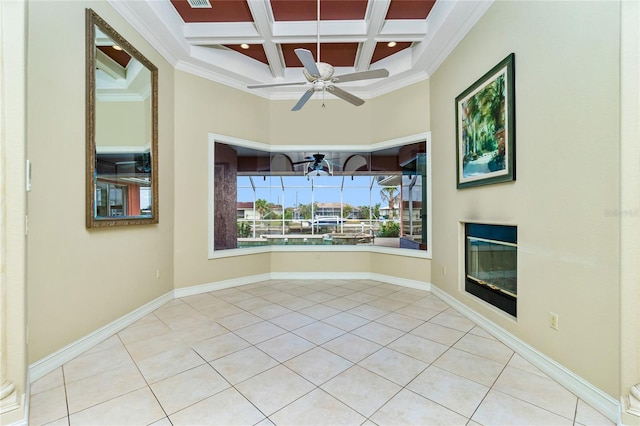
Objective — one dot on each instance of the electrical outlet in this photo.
(554, 320)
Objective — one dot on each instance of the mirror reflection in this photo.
(122, 130)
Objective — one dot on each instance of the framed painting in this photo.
(485, 128)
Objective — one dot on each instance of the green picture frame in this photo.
(485, 128)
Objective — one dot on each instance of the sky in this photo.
(326, 189)
(355, 192)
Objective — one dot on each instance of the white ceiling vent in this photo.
(199, 4)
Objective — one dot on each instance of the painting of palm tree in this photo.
(485, 128)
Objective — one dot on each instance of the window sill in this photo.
(420, 254)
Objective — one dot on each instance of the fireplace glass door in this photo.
(491, 254)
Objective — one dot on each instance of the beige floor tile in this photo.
(342, 303)
(339, 291)
(449, 390)
(318, 332)
(168, 363)
(103, 387)
(96, 363)
(188, 387)
(140, 350)
(296, 303)
(270, 311)
(220, 346)
(60, 422)
(162, 422)
(522, 364)
(229, 406)
(352, 347)
(501, 409)
(432, 302)
(274, 389)
(243, 364)
(419, 348)
(400, 321)
(236, 321)
(285, 346)
(253, 303)
(378, 333)
(278, 297)
(292, 320)
(589, 416)
(216, 312)
(346, 321)
(450, 320)
(319, 311)
(487, 348)
(369, 312)
(47, 406)
(260, 332)
(437, 333)
(133, 334)
(203, 300)
(473, 367)
(185, 321)
(182, 309)
(318, 365)
(537, 390)
(388, 304)
(380, 290)
(392, 365)
(477, 331)
(114, 341)
(47, 382)
(192, 335)
(408, 408)
(317, 408)
(361, 297)
(419, 312)
(361, 389)
(319, 296)
(138, 407)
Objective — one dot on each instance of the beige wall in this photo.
(567, 143)
(204, 107)
(123, 123)
(79, 279)
(200, 110)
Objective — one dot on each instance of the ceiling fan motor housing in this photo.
(326, 72)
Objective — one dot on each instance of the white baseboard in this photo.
(46, 365)
(219, 285)
(584, 390)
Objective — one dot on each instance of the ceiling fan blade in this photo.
(307, 60)
(258, 86)
(342, 94)
(362, 75)
(303, 100)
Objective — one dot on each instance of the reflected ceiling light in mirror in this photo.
(392, 44)
(244, 46)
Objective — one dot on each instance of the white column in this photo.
(8, 398)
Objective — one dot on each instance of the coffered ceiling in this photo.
(243, 42)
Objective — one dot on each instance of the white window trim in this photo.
(405, 140)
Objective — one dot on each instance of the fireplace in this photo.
(491, 260)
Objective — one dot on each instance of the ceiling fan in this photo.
(320, 76)
(316, 165)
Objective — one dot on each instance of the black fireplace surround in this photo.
(491, 258)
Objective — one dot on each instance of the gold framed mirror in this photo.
(121, 130)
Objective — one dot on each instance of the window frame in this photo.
(230, 140)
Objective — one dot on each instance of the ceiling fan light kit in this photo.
(320, 76)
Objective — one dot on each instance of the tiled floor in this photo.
(301, 353)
